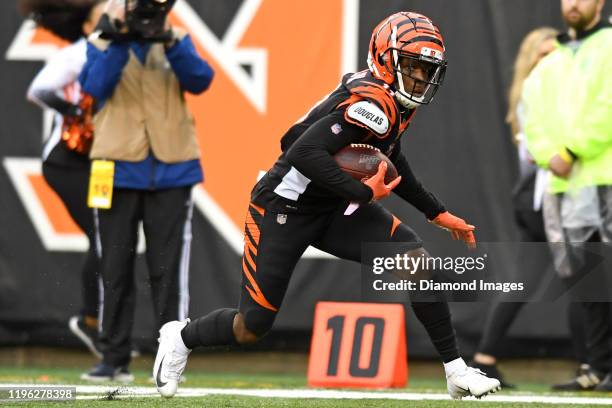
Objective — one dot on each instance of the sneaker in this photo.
(99, 373)
(171, 358)
(86, 334)
(470, 381)
(106, 373)
(586, 380)
(492, 371)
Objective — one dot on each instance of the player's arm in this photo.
(311, 154)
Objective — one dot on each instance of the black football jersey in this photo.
(362, 109)
(382, 126)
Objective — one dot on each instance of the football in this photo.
(361, 161)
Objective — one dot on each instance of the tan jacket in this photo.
(147, 110)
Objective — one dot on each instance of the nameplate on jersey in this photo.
(369, 115)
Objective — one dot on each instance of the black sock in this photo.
(435, 316)
(214, 329)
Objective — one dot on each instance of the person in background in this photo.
(66, 168)
(138, 69)
(568, 102)
(527, 200)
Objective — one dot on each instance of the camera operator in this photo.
(137, 69)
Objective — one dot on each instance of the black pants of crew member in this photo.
(531, 228)
(597, 315)
(166, 221)
(71, 185)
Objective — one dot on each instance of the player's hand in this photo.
(458, 228)
(381, 190)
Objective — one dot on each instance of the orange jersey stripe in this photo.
(256, 293)
(381, 95)
(258, 209)
(261, 300)
(349, 101)
(249, 245)
(249, 258)
(252, 227)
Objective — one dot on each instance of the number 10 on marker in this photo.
(358, 345)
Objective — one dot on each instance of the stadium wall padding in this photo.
(459, 146)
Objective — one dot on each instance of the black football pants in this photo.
(166, 221)
(275, 241)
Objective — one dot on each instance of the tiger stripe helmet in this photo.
(401, 43)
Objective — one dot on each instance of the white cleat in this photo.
(171, 358)
(470, 381)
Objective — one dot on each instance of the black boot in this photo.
(586, 380)
(605, 385)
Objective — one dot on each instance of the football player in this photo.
(301, 201)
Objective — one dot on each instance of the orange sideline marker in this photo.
(361, 345)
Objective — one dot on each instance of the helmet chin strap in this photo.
(405, 102)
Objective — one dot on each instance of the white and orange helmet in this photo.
(414, 38)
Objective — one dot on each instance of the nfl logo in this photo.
(281, 218)
(336, 128)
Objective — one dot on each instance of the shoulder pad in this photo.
(365, 87)
(366, 114)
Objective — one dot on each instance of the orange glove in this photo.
(458, 228)
(377, 183)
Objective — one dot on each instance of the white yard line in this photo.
(99, 391)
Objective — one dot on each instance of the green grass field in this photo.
(246, 372)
